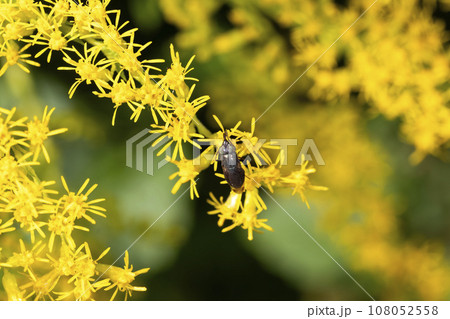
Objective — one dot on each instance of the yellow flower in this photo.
(14, 56)
(179, 132)
(151, 94)
(84, 288)
(87, 68)
(54, 41)
(50, 32)
(247, 217)
(61, 223)
(103, 26)
(299, 181)
(38, 131)
(187, 172)
(269, 175)
(16, 30)
(122, 278)
(176, 76)
(26, 258)
(120, 92)
(128, 59)
(184, 109)
(81, 268)
(226, 210)
(25, 201)
(42, 287)
(68, 209)
(78, 205)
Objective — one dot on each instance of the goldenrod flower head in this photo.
(26, 258)
(80, 267)
(42, 287)
(84, 288)
(15, 56)
(84, 265)
(176, 76)
(299, 180)
(187, 172)
(226, 210)
(120, 92)
(247, 143)
(108, 31)
(68, 209)
(268, 175)
(38, 131)
(372, 51)
(15, 30)
(122, 278)
(59, 224)
(65, 262)
(87, 68)
(248, 218)
(178, 131)
(151, 94)
(77, 204)
(243, 215)
(186, 110)
(24, 202)
(54, 41)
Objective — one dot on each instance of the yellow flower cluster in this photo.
(244, 213)
(393, 60)
(393, 57)
(398, 67)
(119, 75)
(362, 217)
(39, 257)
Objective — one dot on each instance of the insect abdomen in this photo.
(232, 169)
(234, 175)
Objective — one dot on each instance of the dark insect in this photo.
(231, 166)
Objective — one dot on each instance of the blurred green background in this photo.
(378, 205)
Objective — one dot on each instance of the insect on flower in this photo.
(231, 166)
